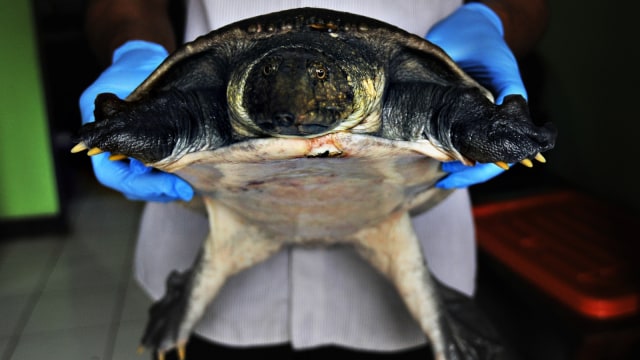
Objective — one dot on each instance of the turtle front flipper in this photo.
(232, 246)
(463, 122)
(486, 132)
(168, 124)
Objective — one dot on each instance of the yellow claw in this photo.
(94, 151)
(182, 352)
(526, 162)
(79, 147)
(540, 158)
(160, 355)
(502, 164)
(117, 157)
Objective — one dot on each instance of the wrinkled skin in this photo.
(333, 123)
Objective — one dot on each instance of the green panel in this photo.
(27, 181)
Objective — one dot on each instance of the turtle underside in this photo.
(314, 126)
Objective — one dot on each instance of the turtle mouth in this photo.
(300, 130)
(284, 123)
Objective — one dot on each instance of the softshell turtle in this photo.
(311, 126)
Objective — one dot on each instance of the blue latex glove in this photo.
(132, 63)
(474, 38)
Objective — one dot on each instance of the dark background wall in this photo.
(68, 67)
(590, 91)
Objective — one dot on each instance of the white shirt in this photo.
(319, 296)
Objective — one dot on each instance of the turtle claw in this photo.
(540, 158)
(81, 146)
(117, 157)
(181, 350)
(526, 162)
(94, 151)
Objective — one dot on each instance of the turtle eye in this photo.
(269, 69)
(320, 72)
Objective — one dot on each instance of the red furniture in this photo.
(578, 250)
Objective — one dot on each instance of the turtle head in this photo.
(297, 92)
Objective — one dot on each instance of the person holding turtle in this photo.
(271, 304)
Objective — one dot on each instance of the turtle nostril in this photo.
(283, 118)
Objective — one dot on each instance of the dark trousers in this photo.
(200, 349)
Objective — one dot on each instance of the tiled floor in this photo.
(72, 296)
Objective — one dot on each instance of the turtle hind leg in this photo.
(473, 330)
(454, 326)
(166, 314)
(232, 246)
(393, 248)
(187, 295)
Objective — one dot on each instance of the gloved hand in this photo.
(474, 38)
(132, 63)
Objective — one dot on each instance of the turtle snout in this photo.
(290, 124)
(283, 119)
